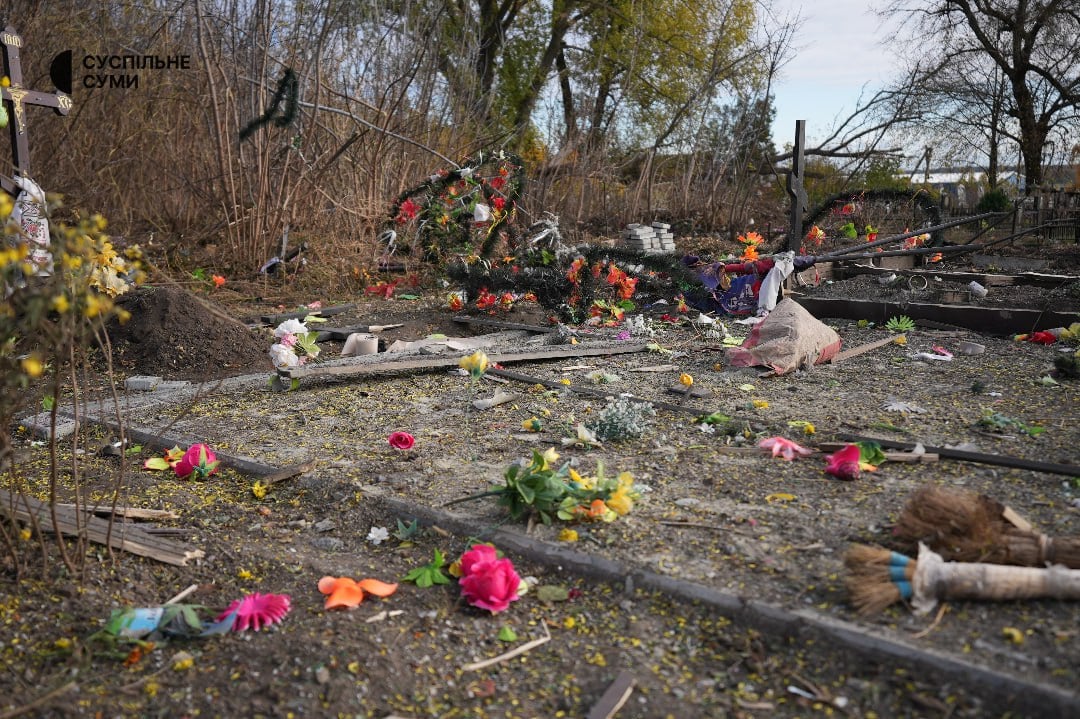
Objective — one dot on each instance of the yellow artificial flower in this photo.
(475, 364)
(761, 404)
(568, 535)
(620, 502)
(32, 366)
(550, 456)
(900, 340)
(686, 380)
(259, 490)
(583, 482)
(60, 303)
(532, 425)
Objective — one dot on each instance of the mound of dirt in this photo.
(173, 334)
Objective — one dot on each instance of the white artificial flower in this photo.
(481, 213)
(283, 356)
(378, 535)
(290, 327)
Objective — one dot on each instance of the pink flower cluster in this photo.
(487, 581)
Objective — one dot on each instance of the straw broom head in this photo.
(877, 577)
(967, 527)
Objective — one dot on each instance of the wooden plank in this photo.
(861, 349)
(124, 537)
(321, 312)
(991, 321)
(562, 352)
(466, 319)
(613, 699)
(125, 512)
(1071, 470)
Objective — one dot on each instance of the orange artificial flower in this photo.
(218, 280)
(750, 253)
(345, 593)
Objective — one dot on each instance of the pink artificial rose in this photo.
(477, 553)
(199, 460)
(844, 464)
(401, 440)
(491, 585)
(784, 448)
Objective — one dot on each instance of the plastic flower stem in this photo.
(471, 497)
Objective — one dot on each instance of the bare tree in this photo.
(1004, 69)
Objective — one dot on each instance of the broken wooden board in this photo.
(299, 315)
(987, 320)
(861, 349)
(400, 365)
(124, 512)
(613, 699)
(70, 523)
(485, 322)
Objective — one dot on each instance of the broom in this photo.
(878, 577)
(964, 526)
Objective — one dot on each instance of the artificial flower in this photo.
(568, 535)
(475, 364)
(455, 302)
(532, 425)
(481, 213)
(283, 356)
(218, 280)
(621, 500)
(816, 234)
(750, 253)
(844, 464)
(407, 210)
(760, 403)
(378, 535)
(784, 448)
(344, 592)
(199, 460)
(290, 327)
(490, 584)
(550, 456)
(476, 554)
(401, 440)
(256, 611)
(172, 456)
(686, 380)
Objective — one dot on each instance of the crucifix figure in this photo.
(796, 190)
(17, 98)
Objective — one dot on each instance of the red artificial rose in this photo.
(491, 585)
(401, 440)
(476, 554)
(844, 464)
(199, 460)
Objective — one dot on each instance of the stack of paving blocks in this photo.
(643, 238)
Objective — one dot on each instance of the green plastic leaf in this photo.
(408, 297)
(552, 593)
(507, 634)
(870, 452)
(158, 463)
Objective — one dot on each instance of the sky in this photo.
(840, 51)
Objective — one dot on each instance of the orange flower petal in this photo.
(377, 588)
(346, 594)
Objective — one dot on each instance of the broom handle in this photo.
(936, 579)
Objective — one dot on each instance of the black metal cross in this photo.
(16, 98)
(796, 190)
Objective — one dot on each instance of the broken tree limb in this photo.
(1071, 470)
(124, 537)
(527, 646)
(124, 512)
(617, 694)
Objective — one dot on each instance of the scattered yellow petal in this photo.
(761, 404)
(568, 535)
(1013, 634)
(900, 340)
(779, 497)
(565, 381)
(686, 380)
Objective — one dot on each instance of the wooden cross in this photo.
(796, 190)
(16, 98)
